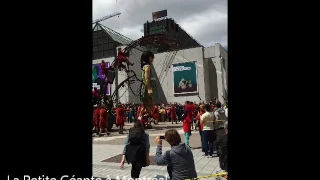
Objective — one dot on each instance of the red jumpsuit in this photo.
(188, 119)
(121, 118)
(155, 113)
(138, 111)
(95, 94)
(96, 117)
(144, 119)
(173, 114)
(121, 57)
(103, 118)
(103, 67)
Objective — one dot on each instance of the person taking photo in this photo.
(179, 159)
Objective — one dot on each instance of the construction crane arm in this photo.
(106, 17)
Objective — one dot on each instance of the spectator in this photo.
(136, 149)
(207, 132)
(219, 118)
(187, 122)
(179, 159)
(201, 111)
(226, 110)
(222, 145)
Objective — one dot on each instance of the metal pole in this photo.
(116, 75)
(222, 73)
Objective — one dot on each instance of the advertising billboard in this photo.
(98, 78)
(159, 14)
(185, 78)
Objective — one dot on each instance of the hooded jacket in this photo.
(181, 159)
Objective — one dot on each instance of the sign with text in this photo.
(159, 14)
(185, 78)
(157, 27)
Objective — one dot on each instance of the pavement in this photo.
(107, 150)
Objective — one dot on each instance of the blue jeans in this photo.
(202, 136)
(208, 136)
(187, 136)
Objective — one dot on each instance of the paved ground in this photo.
(106, 150)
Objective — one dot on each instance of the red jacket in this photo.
(155, 113)
(138, 111)
(95, 94)
(121, 54)
(103, 118)
(173, 112)
(188, 119)
(96, 116)
(103, 68)
(120, 112)
(193, 107)
(120, 115)
(198, 119)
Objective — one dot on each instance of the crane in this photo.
(106, 17)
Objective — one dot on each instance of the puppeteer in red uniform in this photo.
(120, 117)
(123, 58)
(138, 111)
(144, 117)
(96, 117)
(103, 120)
(155, 113)
(103, 67)
(173, 114)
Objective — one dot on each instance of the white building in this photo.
(211, 62)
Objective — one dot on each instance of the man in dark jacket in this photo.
(222, 145)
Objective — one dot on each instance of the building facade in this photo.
(211, 64)
(171, 28)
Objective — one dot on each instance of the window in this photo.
(95, 48)
(100, 33)
(100, 47)
(95, 42)
(94, 35)
(100, 55)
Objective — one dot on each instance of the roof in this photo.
(114, 35)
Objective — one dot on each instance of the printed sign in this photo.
(98, 78)
(185, 78)
(159, 14)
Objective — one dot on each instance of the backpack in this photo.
(135, 150)
(219, 115)
(136, 136)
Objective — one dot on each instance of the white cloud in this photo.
(205, 20)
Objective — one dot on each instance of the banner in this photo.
(98, 79)
(159, 14)
(185, 78)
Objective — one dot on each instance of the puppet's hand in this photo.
(150, 92)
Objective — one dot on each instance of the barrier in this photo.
(222, 174)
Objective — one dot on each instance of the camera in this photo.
(162, 137)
